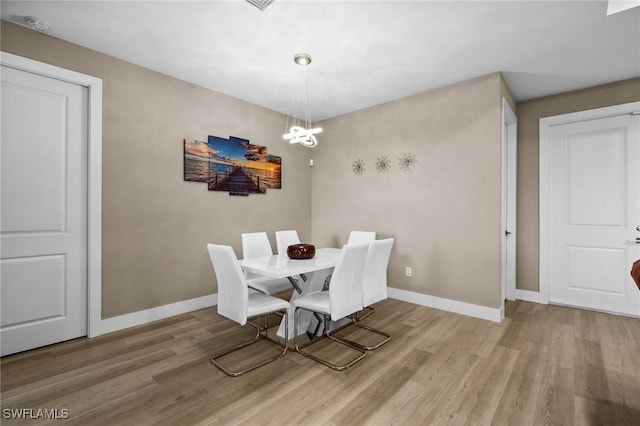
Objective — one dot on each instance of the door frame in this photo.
(509, 193)
(545, 190)
(94, 175)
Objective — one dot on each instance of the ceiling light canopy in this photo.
(302, 58)
(301, 130)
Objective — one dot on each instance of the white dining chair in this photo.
(236, 303)
(356, 237)
(256, 244)
(374, 287)
(286, 238)
(343, 298)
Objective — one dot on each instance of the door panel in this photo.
(27, 206)
(589, 267)
(44, 211)
(597, 171)
(33, 288)
(595, 208)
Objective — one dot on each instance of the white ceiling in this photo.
(364, 52)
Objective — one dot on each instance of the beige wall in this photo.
(529, 114)
(155, 225)
(445, 213)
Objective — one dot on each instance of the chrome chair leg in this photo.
(260, 334)
(322, 361)
(356, 322)
(266, 322)
(369, 310)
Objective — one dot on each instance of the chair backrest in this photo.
(374, 279)
(256, 244)
(233, 293)
(356, 237)
(345, 288)
(284, 239)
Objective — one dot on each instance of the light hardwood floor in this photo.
(541, 365)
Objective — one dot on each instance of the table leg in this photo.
(314, 282)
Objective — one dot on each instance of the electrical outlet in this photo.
(408, 272)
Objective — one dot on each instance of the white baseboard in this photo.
(528, 296)
(449, 305)
(142, 317)
(133, 319)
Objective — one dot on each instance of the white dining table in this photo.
(315, 270)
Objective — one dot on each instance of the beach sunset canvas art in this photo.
(233, 165)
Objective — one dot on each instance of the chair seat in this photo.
(269, 285)
(260, 304)
(316, 302)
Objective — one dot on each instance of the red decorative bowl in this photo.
(301, 251)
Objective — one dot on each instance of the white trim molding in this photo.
(94, 174)
(528, 296)
(133, 319)
(545, 191)
(449, 305)
(509, 190)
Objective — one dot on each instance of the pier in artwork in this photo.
(237, 182)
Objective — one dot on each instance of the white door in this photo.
(594, 194)
(43, 222)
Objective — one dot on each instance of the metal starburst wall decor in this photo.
(383, 164)
(358, 167)
(407, 161)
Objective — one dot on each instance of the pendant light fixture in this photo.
(298, 126)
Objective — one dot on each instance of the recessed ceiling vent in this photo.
(260, 4)
(36, 24)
